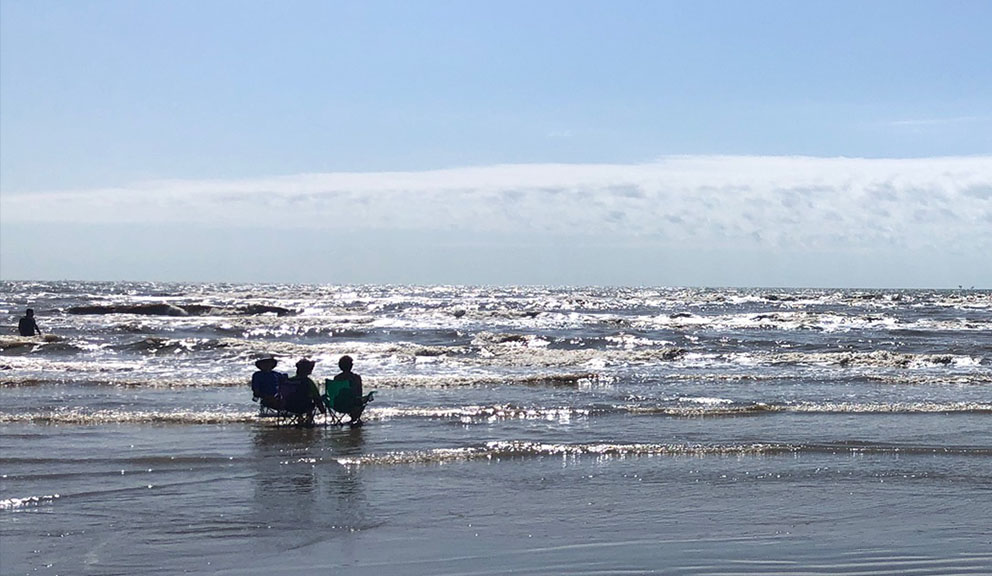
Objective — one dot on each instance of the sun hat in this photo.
(268, 359)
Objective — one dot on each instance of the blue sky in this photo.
(127, 130)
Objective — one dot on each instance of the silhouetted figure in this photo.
(299, 394)
(353, 403)
(266, 383)
(27, 325)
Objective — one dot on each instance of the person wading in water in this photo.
(27, 326)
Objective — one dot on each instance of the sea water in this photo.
(523, 430)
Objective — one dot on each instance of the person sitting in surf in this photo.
(266, 382)
(299, 394)
(352, 402)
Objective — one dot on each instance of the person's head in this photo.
(345, 363)
(30, 312)
(266, 363)
(305, 367)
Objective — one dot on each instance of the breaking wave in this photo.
(894, 408)
(98, 417)
(27, 502)
(518, 449)
(874, 359)
(522, 449)
(165, 309)
(159, 345)
(689, 409)
(686, 408)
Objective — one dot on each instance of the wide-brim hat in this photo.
(266, 361)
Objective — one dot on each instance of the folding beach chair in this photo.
(286, 417)
(338, 400)
(297, 410)
(267, 412)
(332, 388)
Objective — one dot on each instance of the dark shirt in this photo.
(27, 326)
(300, 394)
(264, 384)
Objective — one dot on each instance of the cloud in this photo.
(793, 203)
(932, 122)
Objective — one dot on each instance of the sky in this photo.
(709, 143)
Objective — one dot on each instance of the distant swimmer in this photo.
(27, 325)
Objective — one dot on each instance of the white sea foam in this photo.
(894, 407)
(124, 416)
(798, 320)
(28, 501)
(495, 451)
(706, 401)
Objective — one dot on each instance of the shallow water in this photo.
(515, 430)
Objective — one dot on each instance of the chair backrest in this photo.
(266, 383)
(295, 395)
(334, 387)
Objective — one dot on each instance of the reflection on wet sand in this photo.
(301, 494)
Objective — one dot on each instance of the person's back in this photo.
(295, 394)
(351, 402)
(299, 394)
(27, 325)
(266, 382)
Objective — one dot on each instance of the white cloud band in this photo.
(795, 202)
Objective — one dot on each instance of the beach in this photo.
(515, 430)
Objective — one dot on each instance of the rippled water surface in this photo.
(515, 430)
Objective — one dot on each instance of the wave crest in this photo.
(28, 501)
(523, 449)
(166, 309)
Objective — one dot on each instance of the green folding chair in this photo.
(331, 390)
(334, 397)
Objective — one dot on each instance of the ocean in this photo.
(515, 430)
